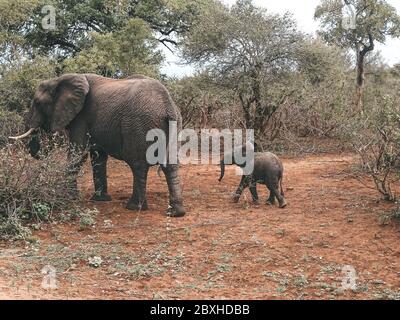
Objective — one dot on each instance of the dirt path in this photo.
(220, 249)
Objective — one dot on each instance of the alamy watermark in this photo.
(183, 147)
(49, 277)
(49, 20)
(349, 19)
(349, 280)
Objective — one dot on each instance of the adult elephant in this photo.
(112, 117)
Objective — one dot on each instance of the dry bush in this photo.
(10, 123)
(375, 136)
(33, 191)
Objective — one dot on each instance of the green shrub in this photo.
(87, 218)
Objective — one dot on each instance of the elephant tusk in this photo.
(26, 134)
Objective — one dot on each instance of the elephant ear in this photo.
(70, 97)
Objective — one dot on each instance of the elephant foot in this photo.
(176, 211)
(283, 204)
(270, 202)
(101, 197)
(137, 206)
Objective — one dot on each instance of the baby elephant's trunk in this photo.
(222, 163)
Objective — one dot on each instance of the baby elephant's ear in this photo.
(70, 96)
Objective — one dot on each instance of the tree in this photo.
(13, 15)
(119, 54)
(202, 103)
(76, 19)
(375, 21)
(245, 48)
(322, 90)
(18, 84)
(396, 70)
(169, 19)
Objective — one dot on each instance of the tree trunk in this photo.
(361, 54)
(360, 82)
(246, 105)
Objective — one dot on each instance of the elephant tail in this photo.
(280, 184)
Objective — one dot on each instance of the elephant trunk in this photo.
(33, 146)
(222, 163)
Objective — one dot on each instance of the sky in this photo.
(303, 13)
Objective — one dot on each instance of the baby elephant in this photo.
(268, 170)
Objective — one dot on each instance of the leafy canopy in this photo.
(119, 54)
(75, 19)
(375, 19)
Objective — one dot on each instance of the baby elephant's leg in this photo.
(253, 190)
(275, 192)
(244, 183)
(279, 195)
(271, 199)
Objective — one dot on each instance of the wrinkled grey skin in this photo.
(112, 117)
(268, 170)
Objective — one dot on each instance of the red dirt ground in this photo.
(219, 250)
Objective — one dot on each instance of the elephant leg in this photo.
(275, 189)
(253, 191)
(77, 152)
(99, 166)
(138, 199)
(176, 208)
(271, 199)
(244, 183)
(76, 159)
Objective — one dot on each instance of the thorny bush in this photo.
(34, 191)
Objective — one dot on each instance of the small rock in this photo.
(108, 223)
(95, 261)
